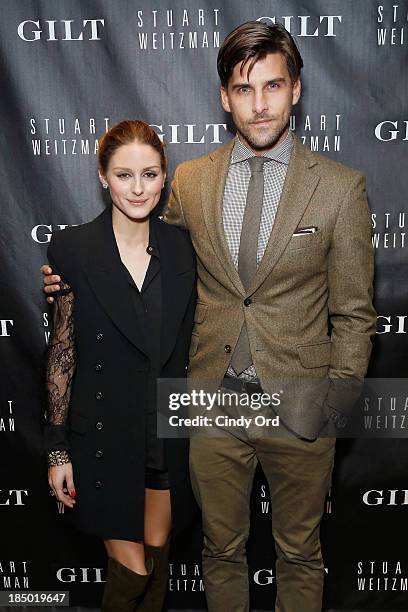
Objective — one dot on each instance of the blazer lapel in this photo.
(212, 194)
(300, 184)
(108, 279)
(177, 267)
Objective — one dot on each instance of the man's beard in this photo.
(262, 141)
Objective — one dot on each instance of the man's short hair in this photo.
(251, 42)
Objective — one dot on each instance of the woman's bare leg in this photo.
(157, 531)
(157, 525)
(128, 575)
(157, 517)
(130, 554)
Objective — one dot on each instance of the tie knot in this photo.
(256, 163)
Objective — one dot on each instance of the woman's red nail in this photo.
(72, 493)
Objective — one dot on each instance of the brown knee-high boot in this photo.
(124, 588)
(156, 591)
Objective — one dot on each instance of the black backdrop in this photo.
(71, 68)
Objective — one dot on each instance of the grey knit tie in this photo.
(248, 248)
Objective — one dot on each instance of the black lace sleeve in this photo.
(61, 361)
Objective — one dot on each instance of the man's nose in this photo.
(260, 103)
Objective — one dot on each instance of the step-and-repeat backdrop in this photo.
(72, 68)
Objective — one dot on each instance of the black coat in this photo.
(107, 436)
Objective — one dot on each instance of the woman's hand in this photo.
(57, 475)
(50, 282)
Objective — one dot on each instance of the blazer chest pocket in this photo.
(304, 241)
(200, 312)
(315, 355)
(78, 423)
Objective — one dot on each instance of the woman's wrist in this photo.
(58, 457)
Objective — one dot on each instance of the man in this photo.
(285, 267)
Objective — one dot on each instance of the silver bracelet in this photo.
(58, 457)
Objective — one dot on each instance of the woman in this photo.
(123, 318)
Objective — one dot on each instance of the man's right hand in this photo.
(50, 281)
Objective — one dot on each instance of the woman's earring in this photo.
(105, 185)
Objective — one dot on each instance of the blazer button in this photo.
(98, 484)
(99, 425)
(340, 420)
(247, 301)
(99, 337)
(98, 367)
(99, 454)
(99, 395)
(227, 348)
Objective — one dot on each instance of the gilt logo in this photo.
(63, 29)
(80, 574)
(13, 497)
(307, 25)
(5, 327)
(42, 233)
(389, 497)
(396, 323)
(386, 131)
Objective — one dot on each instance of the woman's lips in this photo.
(138, 202)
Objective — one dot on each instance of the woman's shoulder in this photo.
(72, 238)
(173, 232)
(175, 237)
(70, 247)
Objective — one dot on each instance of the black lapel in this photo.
(177, 265)
(108, 279)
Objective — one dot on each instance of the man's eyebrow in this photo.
(247, 84)
(238, 85)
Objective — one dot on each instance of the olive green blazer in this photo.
(310, 313)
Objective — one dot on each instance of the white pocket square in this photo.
(304, 231)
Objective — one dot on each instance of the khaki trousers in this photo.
(299, 476)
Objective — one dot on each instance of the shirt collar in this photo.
(280, 153)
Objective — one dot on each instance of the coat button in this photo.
(99, 395)
(99, 336)
(98, 454)
(98, 367)
(247, 301)
(227, 348)
(98, 484)
(99, 425)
